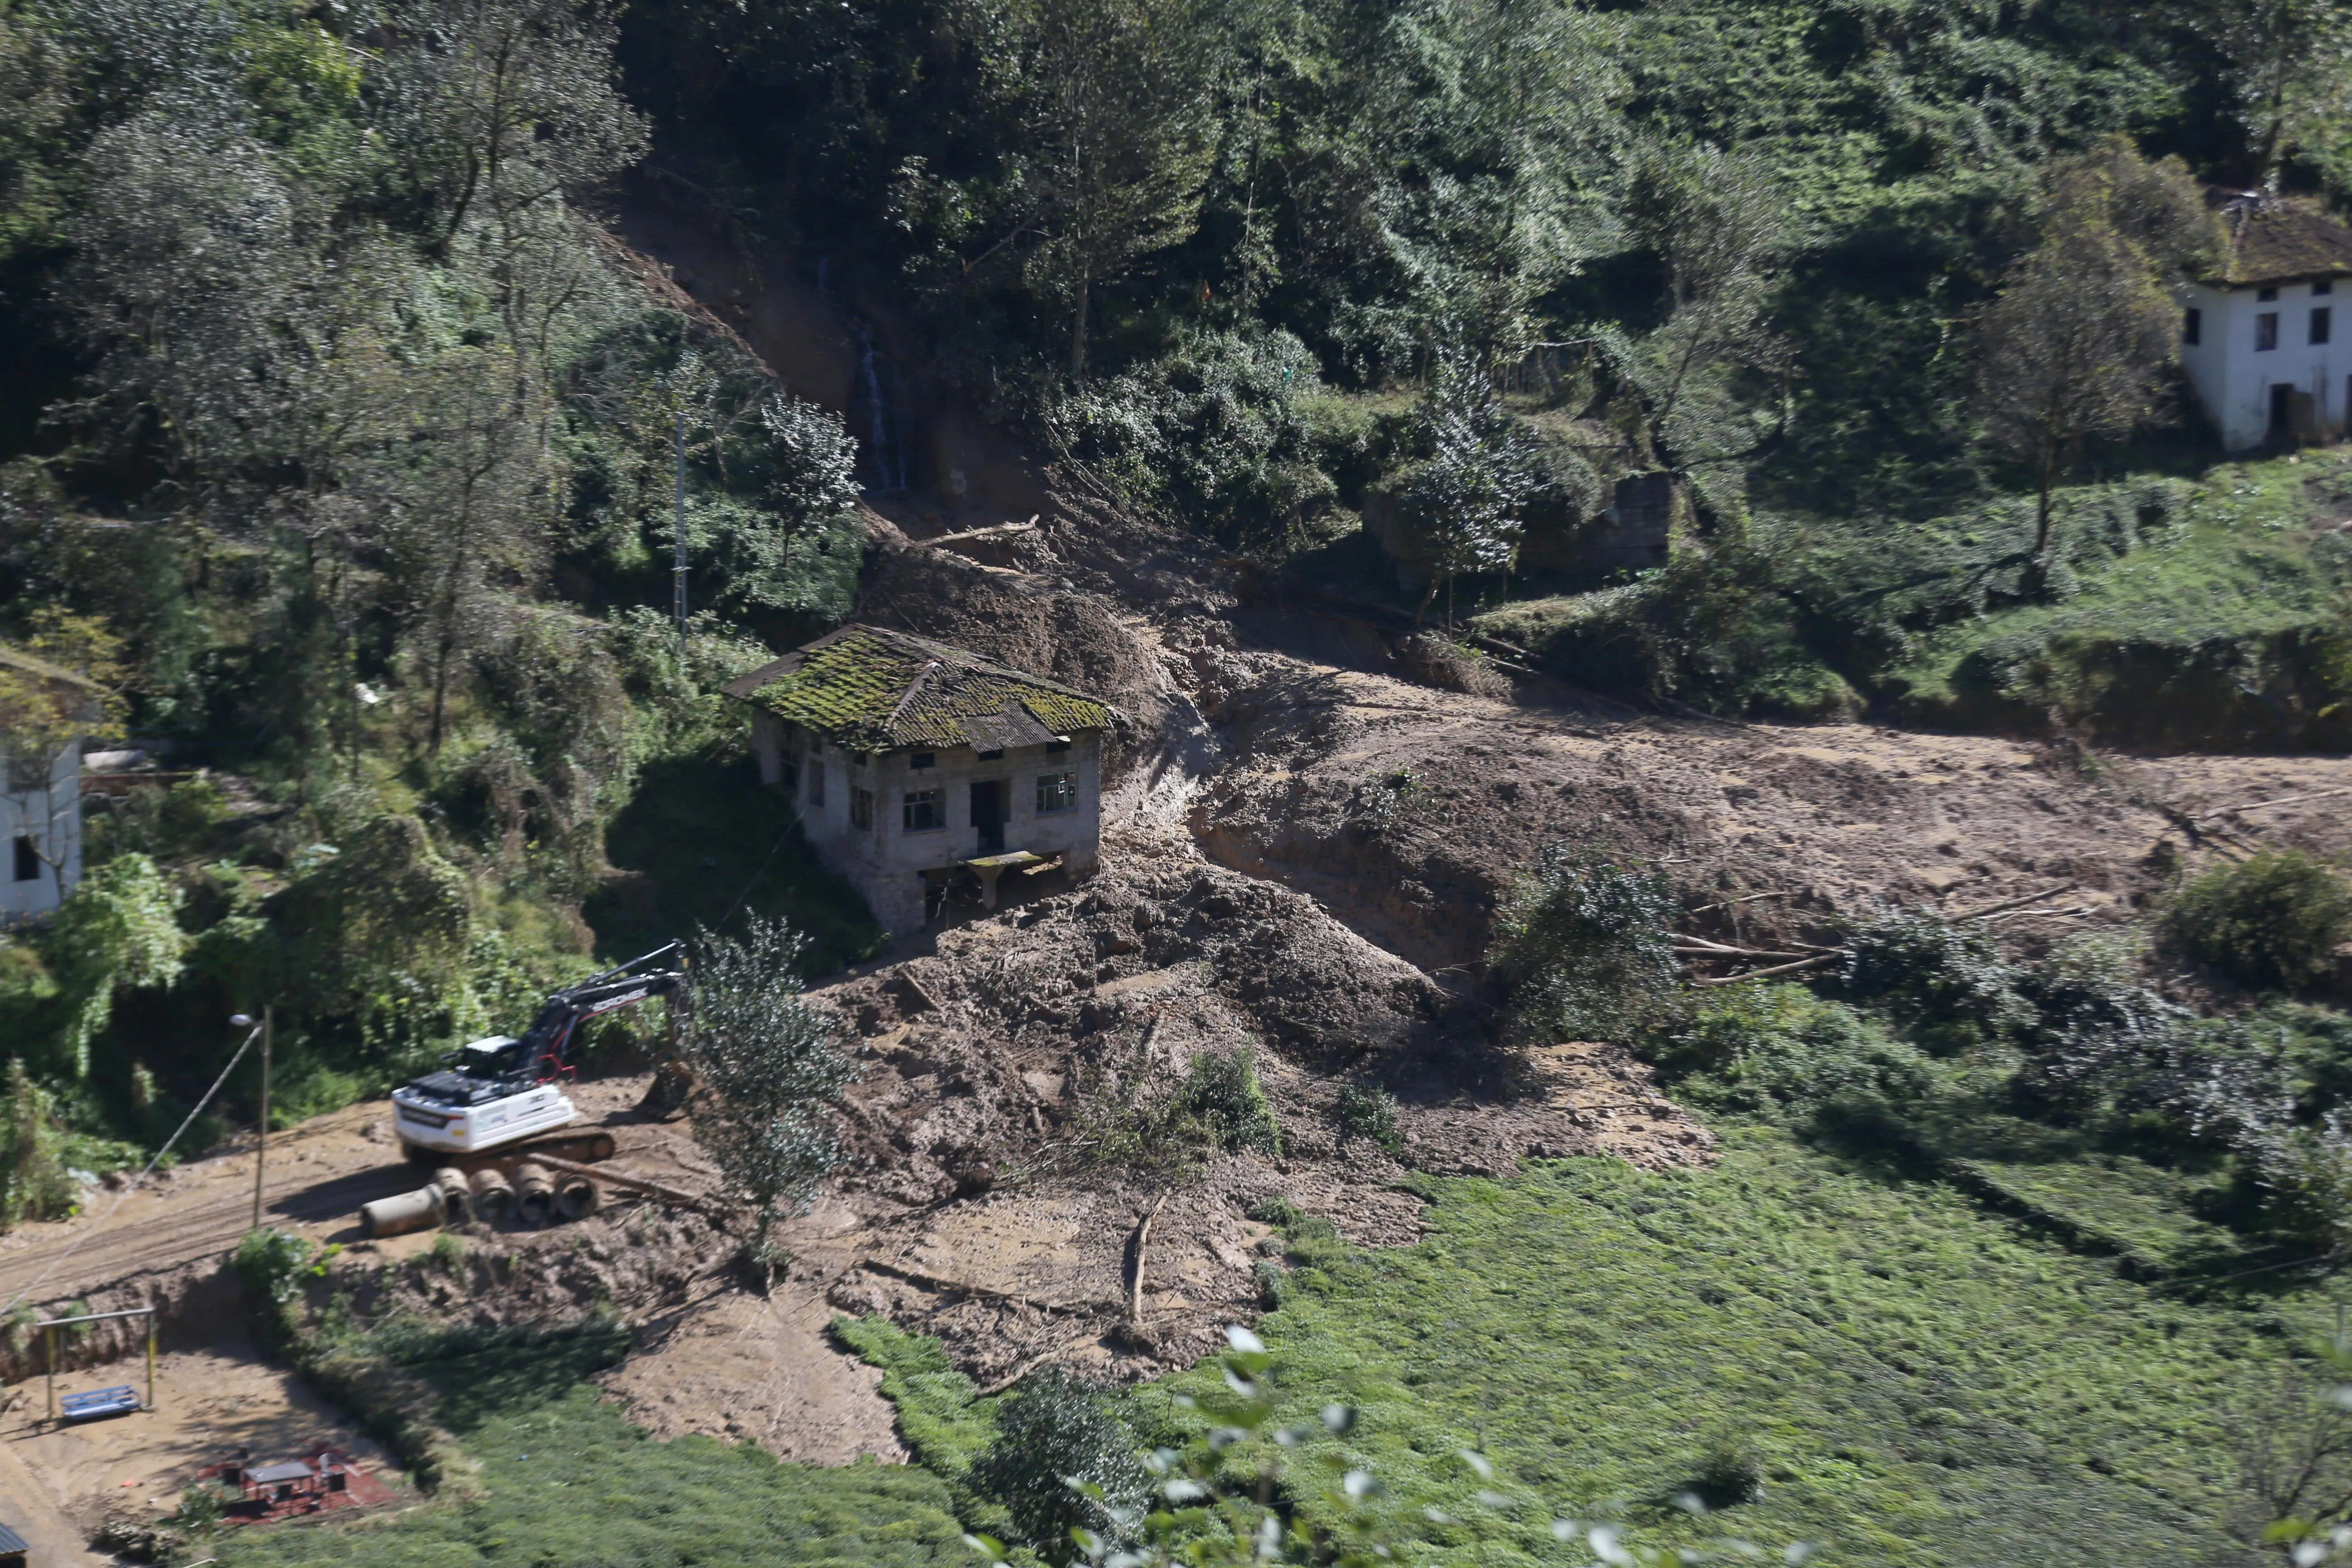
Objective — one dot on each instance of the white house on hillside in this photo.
(40, 785)
(2265, 341)
(916, 766)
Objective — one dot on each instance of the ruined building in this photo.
(917, 765)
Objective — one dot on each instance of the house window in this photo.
(2320, 323)
(28, 860)
(789, 775)
(856, 759)
(1054, 748)
(2265, 295)
(2267, 331)
(861, 809)
(990, 756)
(922, 760)
(2325, 286)
(2192, 327)
(925, 814)
(817, 782)
(1057, 792)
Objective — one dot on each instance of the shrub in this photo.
(2093, 1026)
(1944, 981)
(1585, 949)
(1732, 1470)
(1211, 433)
(1223, 1095)
(1369, 1114)
(33, 1181)
(1053, 1434)
(2271, 923)
(1780, 1053)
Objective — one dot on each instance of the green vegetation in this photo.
(2274, 921)
(1053, 1437)
(564, 1478)
(1923, 1382)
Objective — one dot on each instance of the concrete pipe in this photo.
(457, 1196)
(575, 1196)
(534, 1194)
(494, 1197)
(419, 1210)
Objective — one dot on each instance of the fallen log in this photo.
(966, 1288)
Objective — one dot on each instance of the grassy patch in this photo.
(942, 1415)
(566, 1480)
(1926, 1383)
(2229, 628)
(698, 837)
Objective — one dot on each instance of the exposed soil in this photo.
(211, 1399)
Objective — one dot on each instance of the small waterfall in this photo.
(885, 450)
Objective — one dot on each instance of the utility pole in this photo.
(261, 1145)
(678, 571)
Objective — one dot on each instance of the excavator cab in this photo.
(502, 1089)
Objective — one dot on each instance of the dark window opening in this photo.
(28, 860)
(2325, 286)
(2321, 321)
(988, 814)
(861, 809)
(2266, 295)
(817, 782)
(1053, 747)
(922, 760)
(791, 775)
(2192, 327)
(925, 811)
(991, 756)
(2267, 331)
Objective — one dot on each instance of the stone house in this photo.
(916, 766)
(2258, 336)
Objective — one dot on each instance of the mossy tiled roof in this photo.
(874, 691)
(2274, 240)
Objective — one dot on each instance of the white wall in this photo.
(2233, 379)
(52, 818)
(886, 862)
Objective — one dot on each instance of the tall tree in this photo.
(1117, 124)
(767, 1066)
(2075, 346)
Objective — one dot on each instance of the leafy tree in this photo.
(117, 929)
(767, 1065)
(1718, 222)
(2073, 346)
(2285, 75)
(1115, 141)
(1470, 492)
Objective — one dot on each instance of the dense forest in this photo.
(346, 454)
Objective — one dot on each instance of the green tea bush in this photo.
(1780, 1053)
(2271, 923)
(1368, 1113)
(1222, 1095)
(1053, 1437)
(1943, 981)
(1585, 949)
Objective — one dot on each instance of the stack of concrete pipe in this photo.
(531, 1196)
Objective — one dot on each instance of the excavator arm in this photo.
(547, 1045)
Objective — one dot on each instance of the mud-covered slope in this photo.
(1409, 811)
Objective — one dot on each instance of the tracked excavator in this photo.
(495, 1093)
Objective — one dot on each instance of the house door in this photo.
(2282, 411)
(988, 814)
